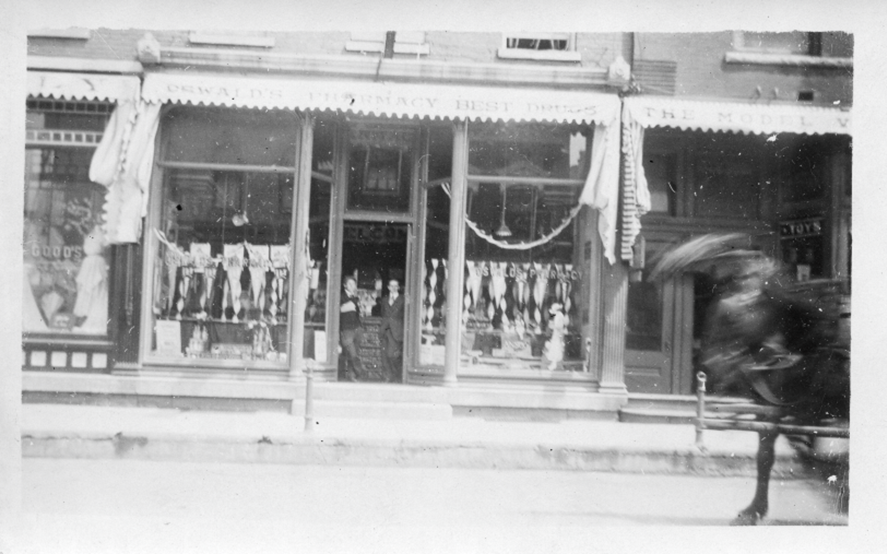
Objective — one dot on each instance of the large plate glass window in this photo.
(522, 256)
(319, 214)
(65, 256)
(221, 278)
(436, 209)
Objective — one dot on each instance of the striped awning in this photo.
(83, 86)
(433, 101)
(737, 117)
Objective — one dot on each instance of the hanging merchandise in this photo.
(258, 263)
(217, 296)
(234, 269)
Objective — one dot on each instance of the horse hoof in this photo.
(745, 519)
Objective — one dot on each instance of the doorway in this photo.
(659, 330)
(376, 254)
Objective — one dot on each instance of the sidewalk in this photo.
(75, 431)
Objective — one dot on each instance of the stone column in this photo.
(300, 276)
(614, 281)
(456, 253)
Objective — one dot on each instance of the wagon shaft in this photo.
(784, 428)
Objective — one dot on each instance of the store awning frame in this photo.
(83, 86)
(384, 99)
(737, 117)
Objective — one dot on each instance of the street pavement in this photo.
(115, 505)
(75, 431)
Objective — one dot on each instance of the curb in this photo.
(327, 450)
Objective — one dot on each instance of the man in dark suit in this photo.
(350, 331)
(392, 332)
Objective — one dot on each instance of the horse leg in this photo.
(766, 457)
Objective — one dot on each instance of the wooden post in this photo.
(700, 409)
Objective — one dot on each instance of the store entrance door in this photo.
(658, 345)
(375, 253)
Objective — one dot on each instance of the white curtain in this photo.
(123, 162)
(601, 189)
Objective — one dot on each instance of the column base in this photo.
(613, 388)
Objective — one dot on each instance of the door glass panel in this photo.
(380, 168)
(643, 318)
(643, 329)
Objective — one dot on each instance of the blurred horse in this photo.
(781, 344)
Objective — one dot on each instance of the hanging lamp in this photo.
(503, 230)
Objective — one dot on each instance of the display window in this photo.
(521, 254)
(65, 253)
(316, 344)
(436, 209)
(221, 269)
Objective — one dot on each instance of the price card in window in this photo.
(234, 256)
(200, 256)
(169, 337)
(280, 256)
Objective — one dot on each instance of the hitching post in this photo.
(700, 408)
(309, 397)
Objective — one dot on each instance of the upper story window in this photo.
(795, 42)
(404, 42)
(828, 49)
(540, 46)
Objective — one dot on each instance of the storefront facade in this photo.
(761, 145)
(242, 188)
(242, 201)
(67, 320)
(372, 187)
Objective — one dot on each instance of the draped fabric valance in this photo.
(737, 117)
(83, 86)
(434, 101)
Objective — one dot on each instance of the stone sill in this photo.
(796, 60)
(539, 55)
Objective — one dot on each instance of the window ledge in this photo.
(73, 33)
(539, 55)
(231, 40)
(761, 58)
(375, 46)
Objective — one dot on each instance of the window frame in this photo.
(742, 54)
(569, 54)
(79, 139)
(153, 355)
